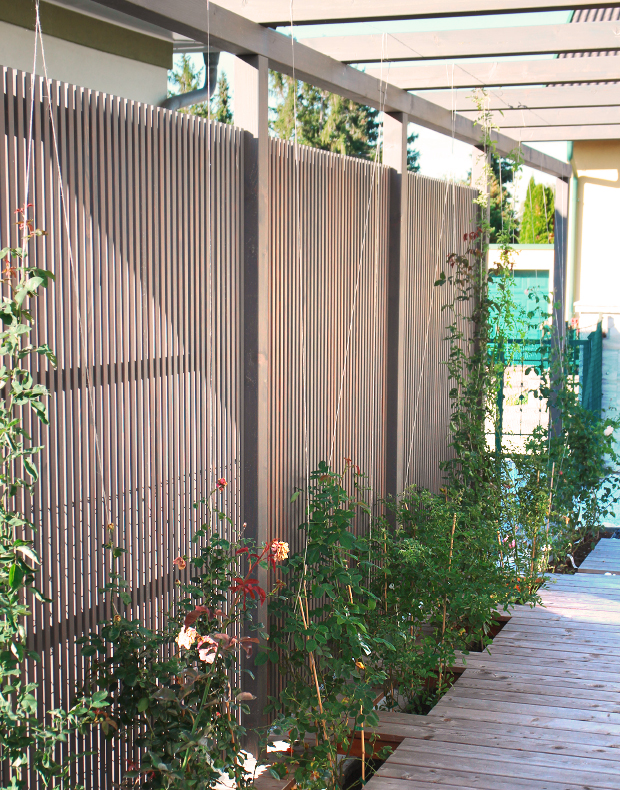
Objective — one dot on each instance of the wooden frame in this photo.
(494, 42)
(277, 12)
(217, 27)
(530, 98)
(501, 73)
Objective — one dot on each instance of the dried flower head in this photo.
(222, 483)
(110, 527)
(186, 637)
(117, 618)
(180, 563)
(280, 550)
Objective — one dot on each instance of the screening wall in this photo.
(144, 211)
(440, 214)
(145, 318)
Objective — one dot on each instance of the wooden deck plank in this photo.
(533, 742)
(538, 710)
(506, 762)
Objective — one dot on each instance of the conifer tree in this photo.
(327, 121)
(186, 77)
(537, 222)
(502, 214)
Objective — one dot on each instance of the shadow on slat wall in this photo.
(146, 318)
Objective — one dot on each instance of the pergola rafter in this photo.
(563, 116)
(583, 96)
(277, 12)
(481, 74)
(513, 41)
(539, 134)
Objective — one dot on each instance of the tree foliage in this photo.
(503, 216)
(328, 121)
(537, 222)
(187, 77)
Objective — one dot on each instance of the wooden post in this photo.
(251, 114)
(558, 327)
(395, 156)
(560, 247)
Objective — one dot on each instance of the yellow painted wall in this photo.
(597, 255)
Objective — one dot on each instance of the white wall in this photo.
(83, 66)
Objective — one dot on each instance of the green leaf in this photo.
(16, 576)
(31, 469)
(143, 704)
(41, 411)
(260, 659)
(295, 496)
(99, 699)
(125, 597)
(39, 596)
(30, 553)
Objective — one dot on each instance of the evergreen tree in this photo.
(413, 155)
(186, 77)
(327, 121)
(221, 109)
(503, 218)
(537, 222)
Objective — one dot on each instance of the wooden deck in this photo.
(539, 711)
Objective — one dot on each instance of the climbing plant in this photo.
(29, 741)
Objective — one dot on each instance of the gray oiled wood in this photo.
(277, 12)
(604, 559)
(538, 710)
(530, 40)
(210, 24)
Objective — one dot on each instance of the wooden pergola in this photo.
(545, 99)
(571, 97)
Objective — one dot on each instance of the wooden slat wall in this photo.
(440, 213)
(326, 226)
(146, 318)
(141, 345)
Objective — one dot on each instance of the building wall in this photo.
(83, 50)
(597, 259)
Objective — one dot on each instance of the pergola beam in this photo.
(437, 45)
(277, 12)
(530, 98)
(478, 74)
(566, 116)
(552, 133)
(221, 29)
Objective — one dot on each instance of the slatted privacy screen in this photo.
(144, 214)
(329, 245)
(440, 213)
(145, 318)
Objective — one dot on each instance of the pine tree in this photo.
(503, 218)
(186, 77)
(537, 222)
(413, 155)
(220, 102)
(327, 121)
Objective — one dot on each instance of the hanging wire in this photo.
(74, 276)
(375, 318)
(30, 133)
(450, 182)
(383, 94)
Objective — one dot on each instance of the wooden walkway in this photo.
(539, 711)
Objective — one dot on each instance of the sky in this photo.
(440, 156)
